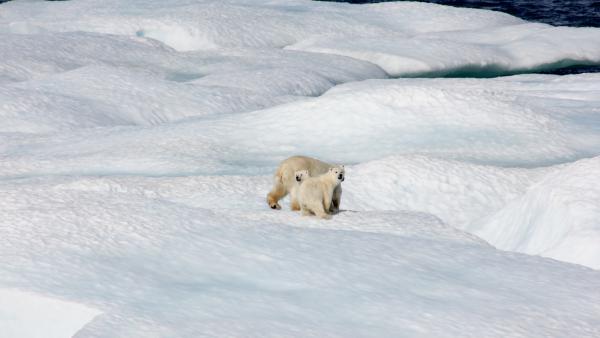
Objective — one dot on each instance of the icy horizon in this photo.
(138, 142)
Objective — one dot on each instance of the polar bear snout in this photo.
(341, 177)
(298, 178)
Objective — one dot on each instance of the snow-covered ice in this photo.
(487, 51)
(525, 120)
(158, 259)
(138, 139)
(402, 38)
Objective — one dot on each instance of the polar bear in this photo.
(301, 175)
(315, 194)
(285, 181)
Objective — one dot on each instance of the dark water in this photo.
(577, 13)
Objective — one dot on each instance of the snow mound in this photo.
(551, 211)
(28, 315)
(62, 52)
(458, 193)
(557, 217)
(77, 80)
(405, 39)
(484, 121)
(482, 53)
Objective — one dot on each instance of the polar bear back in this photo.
(289, 166)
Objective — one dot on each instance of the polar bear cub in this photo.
(315, 194)
(284, 181)
(301, 175)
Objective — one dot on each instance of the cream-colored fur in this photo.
(284, 181)
(315, 194)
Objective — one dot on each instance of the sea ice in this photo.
(138, 139)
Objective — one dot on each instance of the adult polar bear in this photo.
(285, 181)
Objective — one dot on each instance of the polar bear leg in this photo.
(305, 212)
(327, 205)
(336, 200)
(322, 214)
(295, 205)
(319, 210)
(278, 192)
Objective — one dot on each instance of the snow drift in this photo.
(557, 217)
(76, 80)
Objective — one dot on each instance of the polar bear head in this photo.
(339, 172)
(301, 175)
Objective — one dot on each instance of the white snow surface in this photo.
(24, 314)
(138, 140)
